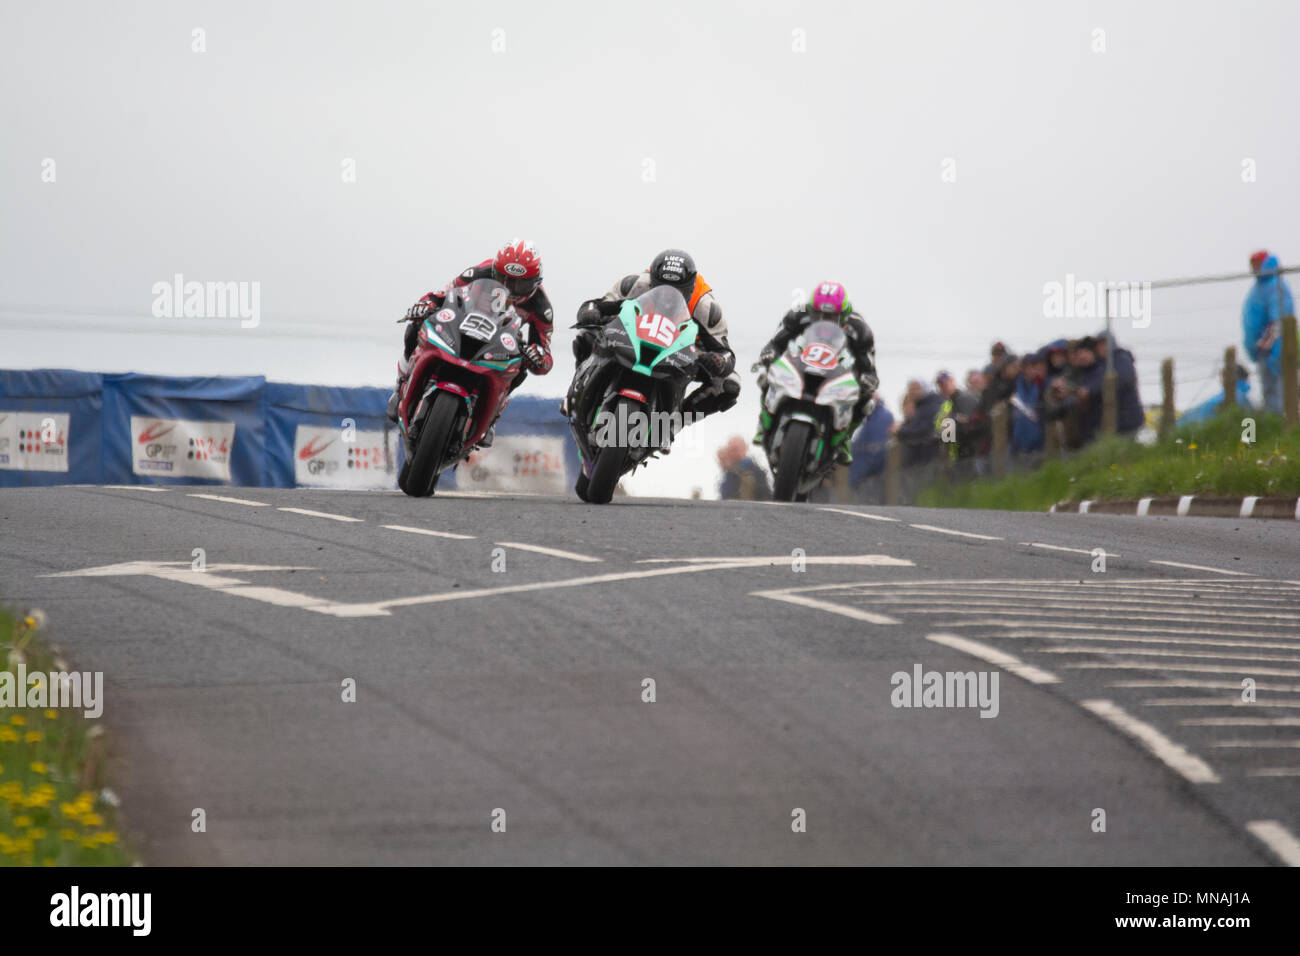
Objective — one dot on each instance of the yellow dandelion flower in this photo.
(18, 720)
(51, 715)
(38, 767)
(22, 821)
(8, 736)
(67, 835)
(36, 833)
(33, 737)
(93, 820)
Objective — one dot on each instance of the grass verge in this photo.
(54, 810)
(1207, 458)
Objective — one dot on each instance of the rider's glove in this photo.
(419, 310)
(712, 363)
(868, 382)
(536, 359)
(768, 355)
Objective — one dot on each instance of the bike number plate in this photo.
(478, 327)
(656, 329)
(819, 356)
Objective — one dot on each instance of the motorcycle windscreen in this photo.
(662, 314)
(822, 343)
(485, 303)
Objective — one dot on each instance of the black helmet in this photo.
(675, 268)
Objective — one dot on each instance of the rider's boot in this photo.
(403, 370)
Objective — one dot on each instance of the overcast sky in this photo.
(780, 143)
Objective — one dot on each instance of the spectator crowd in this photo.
(1060, 382)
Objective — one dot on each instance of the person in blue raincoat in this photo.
(1267, 304)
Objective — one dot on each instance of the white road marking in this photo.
(1057, 547)
(1144, 507)
(1174, 755)
(1020, 625)
(320, 514)
(1184, 505)
(429, 531)
(876, 560)
(1152, 652)
(211, 579)
(1216, 702)
(1241, 721)
(1166, 666)
(230, 501)
(963, 534)
(1201, 567)
(1248, 506)
(1274, 772)
(803, 601)
(1009, 662)
(859, 514)
(553, 552)
(1211, 684)
(1257, 744)
(1150, 611)
(1278, 839)
(127, 487)
(1136, 639)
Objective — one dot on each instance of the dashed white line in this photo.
(130, 487)
(429, 531)
(858, 514)
(1011, 663)
(230, 501)
(320, 514)
(962, 534)
(1201, 567)
(552, 552)
(1278, 839)
(1173, 755)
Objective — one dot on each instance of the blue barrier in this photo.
(66, 427)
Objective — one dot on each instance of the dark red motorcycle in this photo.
(469, 352)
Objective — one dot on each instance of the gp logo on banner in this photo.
(342, 458)
(174, 448)
(531, 463)
(34, 441)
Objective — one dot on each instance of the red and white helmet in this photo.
(518, 267)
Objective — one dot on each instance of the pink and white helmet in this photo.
(830, 298)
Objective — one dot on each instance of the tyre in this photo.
(432, 444)
(610, 464)
(580, 487)
(404, 474)
(794, 452)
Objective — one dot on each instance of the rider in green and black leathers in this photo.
(828, 301)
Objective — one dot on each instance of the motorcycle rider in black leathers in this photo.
(716, 363)
(828, 301)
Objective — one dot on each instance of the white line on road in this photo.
(1215, 702)
(428, 531)
(128, 487)
(1013, 664)
(553, 552)
(1278, 839)
(1201, 567)
(1274, 772)
(1257, 744)
(858, 514)
(1191, 668)
(803, 601)
(1152, 652)
(963, 534)
(1174, 755)
(320, 514)
(230, 501)
(1057, 547)
(876, 560)
(1240, 722)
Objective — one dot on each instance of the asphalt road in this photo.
(520, 689)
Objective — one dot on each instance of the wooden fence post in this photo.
(1168, 416)
(1230, 376)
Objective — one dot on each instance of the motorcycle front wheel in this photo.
(794, 452)
(431, 446)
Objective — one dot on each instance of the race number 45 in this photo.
(656, 328)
